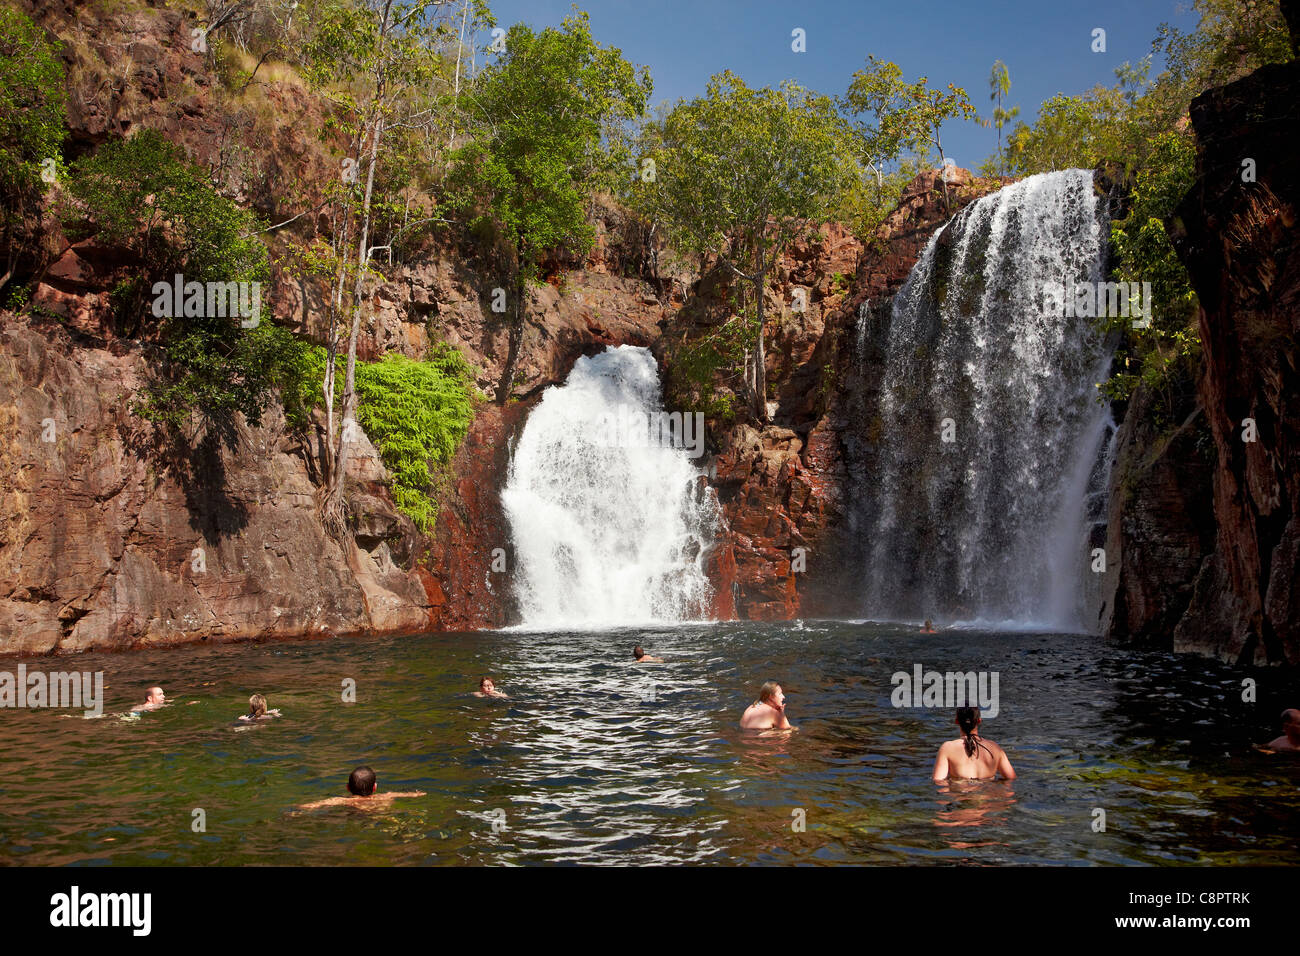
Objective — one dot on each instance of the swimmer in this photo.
(257, 711)
(154, 698)
(1289, 742)
(643, 658)
(768, 712)
(363, 785)
(970, 757)
(488, 688)
(928, 628)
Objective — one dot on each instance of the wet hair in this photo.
(361, 782)
(768, 690)
(637, 652)
(256, 705)
(967, 720)
(483, 680)
(1290, 716)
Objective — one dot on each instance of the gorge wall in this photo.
(1205, 523)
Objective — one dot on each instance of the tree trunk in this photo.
(507, 381)
(334, 515)
(760, 358)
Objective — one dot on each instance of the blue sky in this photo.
(1046, 45)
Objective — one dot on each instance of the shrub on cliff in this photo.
(33, 118)
(1139, 125)
(143, 195)
(416, 413)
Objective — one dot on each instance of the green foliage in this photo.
(1144, 253)
(1071, 132)
(143, 194)
(891, 116)
(416, 413)
(698, 365)
(999, 88)
(742, 171)
(1138, 127)
(33, 118)
(538, 116)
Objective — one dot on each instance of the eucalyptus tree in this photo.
(739, 173)
(893, 115)
(537, 117)
(376, 61)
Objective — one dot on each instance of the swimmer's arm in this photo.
(408, 793)
(1004, 765)
(940, 767)
(329, 802)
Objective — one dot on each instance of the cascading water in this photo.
(987, 449)
(607, 531)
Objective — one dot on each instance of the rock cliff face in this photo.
(1207, 522)
(101, 546)
(1239, 241)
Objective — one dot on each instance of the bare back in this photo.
(987, 761)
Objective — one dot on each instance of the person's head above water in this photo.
(361, 782)
(486, 684)
(155, 695)
(1291, 722)
(637, 652)
(772, 694)
(256, 705)
(968, 719)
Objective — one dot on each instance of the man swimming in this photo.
(363, 785)
(154, 698)
(970, 757)
(768, 712)
(643, 658)
(1289, 742)
(257, 710)
(488, 688)
(928, 627)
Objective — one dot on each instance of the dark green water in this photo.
(598, 760)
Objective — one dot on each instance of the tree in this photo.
(33, 118)
(374, 59)
(999, 87)
(893, 115)
(934, 107)
(537, 117)
(742, 172)
(143, 195)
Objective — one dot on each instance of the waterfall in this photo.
(610, 521)
(985, 448)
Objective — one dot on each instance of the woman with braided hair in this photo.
(970, 756)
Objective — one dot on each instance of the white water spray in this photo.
(606, 533)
